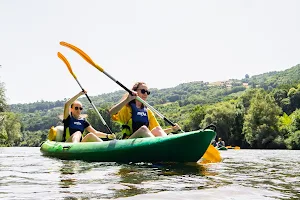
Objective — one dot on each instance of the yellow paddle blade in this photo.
(79, 51)
(67, 63)
(212, 155)
(237, 147)
(82, 54)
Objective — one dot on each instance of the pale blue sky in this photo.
(161, 42)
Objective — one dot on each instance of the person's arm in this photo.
(69, 103)
(100, 134)
(172, 129)
(116, 108)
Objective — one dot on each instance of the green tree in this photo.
(279, 95)
(195, 118)
(223, 116)
(10, 129)
(293, 140)
(261, 121)
(33, 138)
(3, 104)
(285, 123)
(247, 96)
(295, 99)
(237, 138)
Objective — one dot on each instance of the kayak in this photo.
(182, 147)
(222, 148)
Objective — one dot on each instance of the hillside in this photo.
(194, 93)
(175, 103)
(263, 104)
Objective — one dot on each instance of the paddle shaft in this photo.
(139, 99)
(212, 154)
(102, 120)
(89, 60)
(72, 73)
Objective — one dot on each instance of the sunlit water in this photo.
(243, 174)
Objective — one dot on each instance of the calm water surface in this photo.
(243, 174)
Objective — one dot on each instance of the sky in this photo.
(161, 42)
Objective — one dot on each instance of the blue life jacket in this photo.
(139, 117)
(71, 125)
(77, 124)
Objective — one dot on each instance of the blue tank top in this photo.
(139, 117)
(72, 125)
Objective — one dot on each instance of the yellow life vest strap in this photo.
(127, 129)
(67, 133)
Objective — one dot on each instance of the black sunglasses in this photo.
(80, 108)
(143, 91)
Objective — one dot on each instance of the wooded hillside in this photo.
(255, 112)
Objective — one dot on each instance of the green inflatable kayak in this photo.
(222, 148)
(182, 147)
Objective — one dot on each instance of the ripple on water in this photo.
(243, 174)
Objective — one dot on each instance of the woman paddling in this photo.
(137, 120)
(74, 124)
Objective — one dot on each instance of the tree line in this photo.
(264, 115)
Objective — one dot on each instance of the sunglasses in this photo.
(80, 108)
(143, 91)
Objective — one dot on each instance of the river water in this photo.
(243, 174)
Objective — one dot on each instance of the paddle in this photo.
(71, 71)
(89, 60)
(213, 155)
(231, 147)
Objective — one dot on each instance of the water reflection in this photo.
(142, 178)
(261, 174)
(71, 171)
(178, 169)
(276, 171)
(68, 169)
